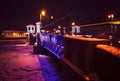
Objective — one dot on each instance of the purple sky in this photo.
(16, 14)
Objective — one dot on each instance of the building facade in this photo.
(13, 34)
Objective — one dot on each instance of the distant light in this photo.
(47, 31)
(43, 12)
(14, 33)
(118, 41)
(73, 34)
(87, 78)
(59, 27)
(43, 31)
(66, 35)
(111, 16)
(54, 30)
(51, 17)
(3, 33)
(73, 23)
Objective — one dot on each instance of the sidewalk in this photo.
(18, 63)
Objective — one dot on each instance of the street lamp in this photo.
(42, 13)
(73, 24)
(51, 17)
(37, 45)
(111, 16)
(38, 26)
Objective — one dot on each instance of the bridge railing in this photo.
(53, 43)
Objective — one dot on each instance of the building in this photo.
(13, 34)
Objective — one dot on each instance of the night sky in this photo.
(16, 14)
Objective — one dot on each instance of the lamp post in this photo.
(38, 26)
(42, 13)
(111, 17)
(73, 28)
(37, 45)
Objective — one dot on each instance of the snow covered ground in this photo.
(18, 63)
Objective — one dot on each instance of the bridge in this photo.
(88, 53)
(85, 57)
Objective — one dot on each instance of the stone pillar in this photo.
(78, 29)
(30, 28)
(75, 30)
(37, 46)
(38, 27)
(38, 33)
(30, 34)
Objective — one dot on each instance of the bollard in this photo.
(36, 49)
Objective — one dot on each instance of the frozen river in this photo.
(18, 63)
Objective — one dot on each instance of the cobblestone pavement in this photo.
(18, 63)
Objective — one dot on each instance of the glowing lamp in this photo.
(73, 23)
